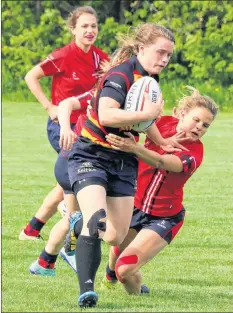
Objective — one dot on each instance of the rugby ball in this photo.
(135, 98)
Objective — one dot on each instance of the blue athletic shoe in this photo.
(144, 289)
(69, 259)
(88, 299)
(36, 269)
(70, 240)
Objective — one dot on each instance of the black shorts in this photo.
(166, 227)
(90, 164)
(61, 171)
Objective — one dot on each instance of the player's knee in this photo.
(124, 266)
(115, 237)
(96, 223)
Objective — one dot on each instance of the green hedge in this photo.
(203, 31)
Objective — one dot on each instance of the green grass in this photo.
(194, 274)
(172, 91)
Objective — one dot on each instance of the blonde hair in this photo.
(195, 99)
(74, 15)
(143, 34)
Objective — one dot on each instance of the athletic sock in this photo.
(34, 227)
(78, 227)
(88, 257)
(47, 260)
(110, 275)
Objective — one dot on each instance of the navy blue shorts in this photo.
(166, 227)
(91, 164)
(61, 171)
(53, 132)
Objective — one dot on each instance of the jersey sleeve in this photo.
(115, 87)
(104, 56)
(54, 63)
(85, 98)
(191, 159)
(100, 55)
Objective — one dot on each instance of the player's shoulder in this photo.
(123, 70)
(196, 146)
(119, 77)
(167, 121)
(62, 52)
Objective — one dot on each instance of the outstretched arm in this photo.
(167, 162)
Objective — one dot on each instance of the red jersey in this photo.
(74, 72)
(160, 192)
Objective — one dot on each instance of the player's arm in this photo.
(32, 80)
(110, 113)
(154, 134)
(167, 162)
(65, 108)
(170, 144)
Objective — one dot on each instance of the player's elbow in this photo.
(103, 122)
(171, 163)
(104, 119)
(33, 75)
(27, 77)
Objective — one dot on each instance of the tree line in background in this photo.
(203, 32)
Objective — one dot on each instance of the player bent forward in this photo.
(159, 213)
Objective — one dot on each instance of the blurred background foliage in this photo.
(203, 30)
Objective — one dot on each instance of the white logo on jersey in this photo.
(74, 76)
(115, 84)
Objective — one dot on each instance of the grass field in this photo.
(194, 274)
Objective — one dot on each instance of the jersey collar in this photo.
(140, 69)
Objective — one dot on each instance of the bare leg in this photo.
(119, 213)
(113, 255)
(45, 212)
(57, 236)
(50, 203)
(143, 248)
(59, 231)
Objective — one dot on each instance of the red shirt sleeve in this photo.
(85, 98)
(54, 63)
(191, 159)
(104, 56)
